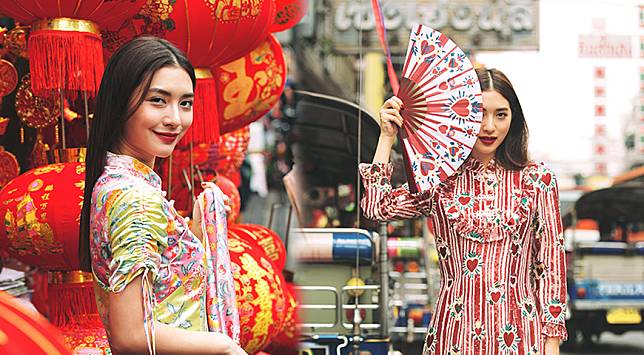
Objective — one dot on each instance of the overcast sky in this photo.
(556, 87)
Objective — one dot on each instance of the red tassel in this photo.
(69, 60)
(73, 304)
(205, 122)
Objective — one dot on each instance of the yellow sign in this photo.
(623, 316)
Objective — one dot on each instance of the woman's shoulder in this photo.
(111, 191)
(539, 175)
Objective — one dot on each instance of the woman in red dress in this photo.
(498, 233)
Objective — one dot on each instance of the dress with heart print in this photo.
(499, 236)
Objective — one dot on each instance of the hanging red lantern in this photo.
(259, 287)
(232, 151)
(268, 241)
(229, 189)
(249, 86)
(26, 332)
(288, 13)
(211, 33)
(41, 211)
(287, 340)
(65, 49)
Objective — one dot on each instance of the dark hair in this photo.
(124, 85)
(512, 154)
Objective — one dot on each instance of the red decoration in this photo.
(26, 332)
(211, 33)
(9, 167)
(288, 338)
(230, 190)
(33, 110)
(65, 45)
(261, 298)
(265, 239)
(249, 86)
(41, 212)
(232, 151)
(288, 13)
(8, 77)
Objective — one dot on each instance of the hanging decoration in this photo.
(35, 111)
(259, 287)
(9, 167)
(15, 41)
(8, 77)
(288, 13)
(41, 212)
(249, 86)
(232, 151)
(267, 240)
(64, 44)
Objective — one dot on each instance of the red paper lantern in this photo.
(211, 33)
(268, 241)
(25, 332)
(232, 151)
(89, 340)
(288, 13)
(230, 190)
(41, 212)
(288, 337)
(259, 287)
(249, 86)
(65, 50)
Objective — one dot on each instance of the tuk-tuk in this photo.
(606, 265)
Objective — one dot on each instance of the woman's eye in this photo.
(187, 103)
(156, 100)
(502, 115)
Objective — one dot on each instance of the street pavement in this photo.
(611, 344)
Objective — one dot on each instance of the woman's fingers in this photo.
(392, 115)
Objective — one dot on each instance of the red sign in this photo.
(605, 46)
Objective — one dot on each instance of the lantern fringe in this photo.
(205, 121)
(73, 305)
(69, 60)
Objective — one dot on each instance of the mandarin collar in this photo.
(475, 165)
(134, 167)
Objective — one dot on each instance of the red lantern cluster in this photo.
(41, 212)
(288, 13)
(232, 151)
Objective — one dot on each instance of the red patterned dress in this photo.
(500, 243)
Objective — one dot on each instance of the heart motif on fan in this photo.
(442, 108)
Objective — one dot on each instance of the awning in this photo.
(325, 142)
(621, 203)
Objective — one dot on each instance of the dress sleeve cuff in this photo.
(554, 330)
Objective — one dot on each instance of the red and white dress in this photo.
(500, 243)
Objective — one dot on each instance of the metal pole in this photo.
(384, 282)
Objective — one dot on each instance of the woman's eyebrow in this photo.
(167, 93)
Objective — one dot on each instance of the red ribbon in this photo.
(382, 35)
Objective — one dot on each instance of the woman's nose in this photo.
(488, 123)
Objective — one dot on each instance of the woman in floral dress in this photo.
(498, 234)
(160, 285)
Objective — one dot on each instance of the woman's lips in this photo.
(487, 140)
(167, 137)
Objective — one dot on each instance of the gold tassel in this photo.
(22, 134)
(57, 135)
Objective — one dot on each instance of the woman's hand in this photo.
(390, 118)
(551, 346)
(227, 200)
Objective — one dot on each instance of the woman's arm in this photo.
(550, 258)
(127, 334)
(380, 201)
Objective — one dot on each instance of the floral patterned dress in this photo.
(500, 243)
(135, 232)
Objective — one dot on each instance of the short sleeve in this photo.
(137, 233)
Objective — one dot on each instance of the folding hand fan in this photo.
(442, 108)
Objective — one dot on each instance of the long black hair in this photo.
(124, 86)
(512, 154)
